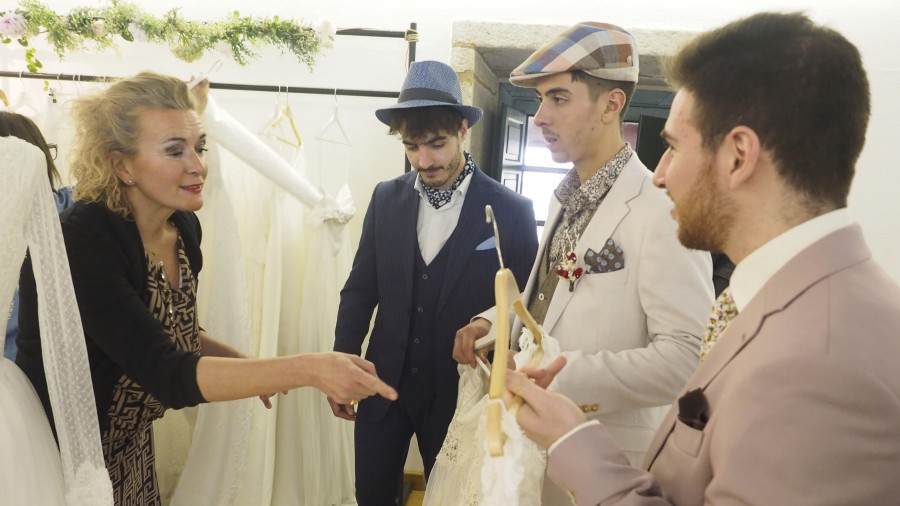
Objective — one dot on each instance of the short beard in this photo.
(706, 223)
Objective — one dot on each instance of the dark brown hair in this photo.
(597, 87)
(801, 87)
(418, 122)
(15, 125)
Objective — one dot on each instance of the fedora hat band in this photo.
(426, 94)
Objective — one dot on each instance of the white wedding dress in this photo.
(272, 243)
(464, 474)
(32, 470)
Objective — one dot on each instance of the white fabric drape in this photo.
(30, 467)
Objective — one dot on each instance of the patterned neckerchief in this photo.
(580, 201)
(438, 198)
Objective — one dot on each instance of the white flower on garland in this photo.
(12, 25)
(325, 28)
(98, 26)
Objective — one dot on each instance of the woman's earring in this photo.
(130, 182)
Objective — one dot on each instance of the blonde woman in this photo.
(133, 246)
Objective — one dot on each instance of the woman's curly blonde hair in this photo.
(109, 121)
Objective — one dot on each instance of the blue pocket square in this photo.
(488, 243)
(610, 258)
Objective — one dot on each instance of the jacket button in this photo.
(420, 309)
(424, 276)
(595, 407)
(415, 370)
(416, 340)
(541, 296)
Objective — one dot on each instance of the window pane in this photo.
(536, 152)
(539, 186)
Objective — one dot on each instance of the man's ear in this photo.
(118, 163)
(740, 155)
(463, 130)
(615, 105)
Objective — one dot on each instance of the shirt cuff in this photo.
(568, 434)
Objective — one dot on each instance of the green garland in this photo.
(188, 40)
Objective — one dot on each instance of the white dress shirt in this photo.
(758, 267)
(434, 226)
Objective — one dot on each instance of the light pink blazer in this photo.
(804, 396)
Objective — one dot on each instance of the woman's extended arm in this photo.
(341, 376)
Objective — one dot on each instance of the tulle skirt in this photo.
(30, 467)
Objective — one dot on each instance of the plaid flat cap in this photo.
(599, 49)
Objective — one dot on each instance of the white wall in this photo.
(378, 63)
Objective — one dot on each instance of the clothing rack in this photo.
(410, 35)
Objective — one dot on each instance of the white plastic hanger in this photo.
(333, 131)
(23, 101)
(203, 75)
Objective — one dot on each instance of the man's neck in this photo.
(765, 221)
(604, 152)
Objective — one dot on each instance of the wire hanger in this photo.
(506, 294)
(333, 131)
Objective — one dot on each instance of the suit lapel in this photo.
(403, 239)
(467, 235)
(832, 253)
(606, 219)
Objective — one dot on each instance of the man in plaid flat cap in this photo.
(630, 325)
(798, 402)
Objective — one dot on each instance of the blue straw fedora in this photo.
(430, 84)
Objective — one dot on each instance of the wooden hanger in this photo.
(4, 99)
(333, 131)
(285, 113)
(506, 294)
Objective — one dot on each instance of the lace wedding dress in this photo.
(32, 470)
(464, 473)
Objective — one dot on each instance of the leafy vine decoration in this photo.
(237, 36)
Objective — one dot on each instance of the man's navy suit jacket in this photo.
(382, 276)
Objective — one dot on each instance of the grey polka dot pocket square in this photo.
(610, 258)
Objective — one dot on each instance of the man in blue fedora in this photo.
(427, 260)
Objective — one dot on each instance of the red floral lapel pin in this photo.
(569, 270)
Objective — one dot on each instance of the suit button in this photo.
(424, 276)
(541, 296)
(415, 370)
(416, 340)
(420, 309)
